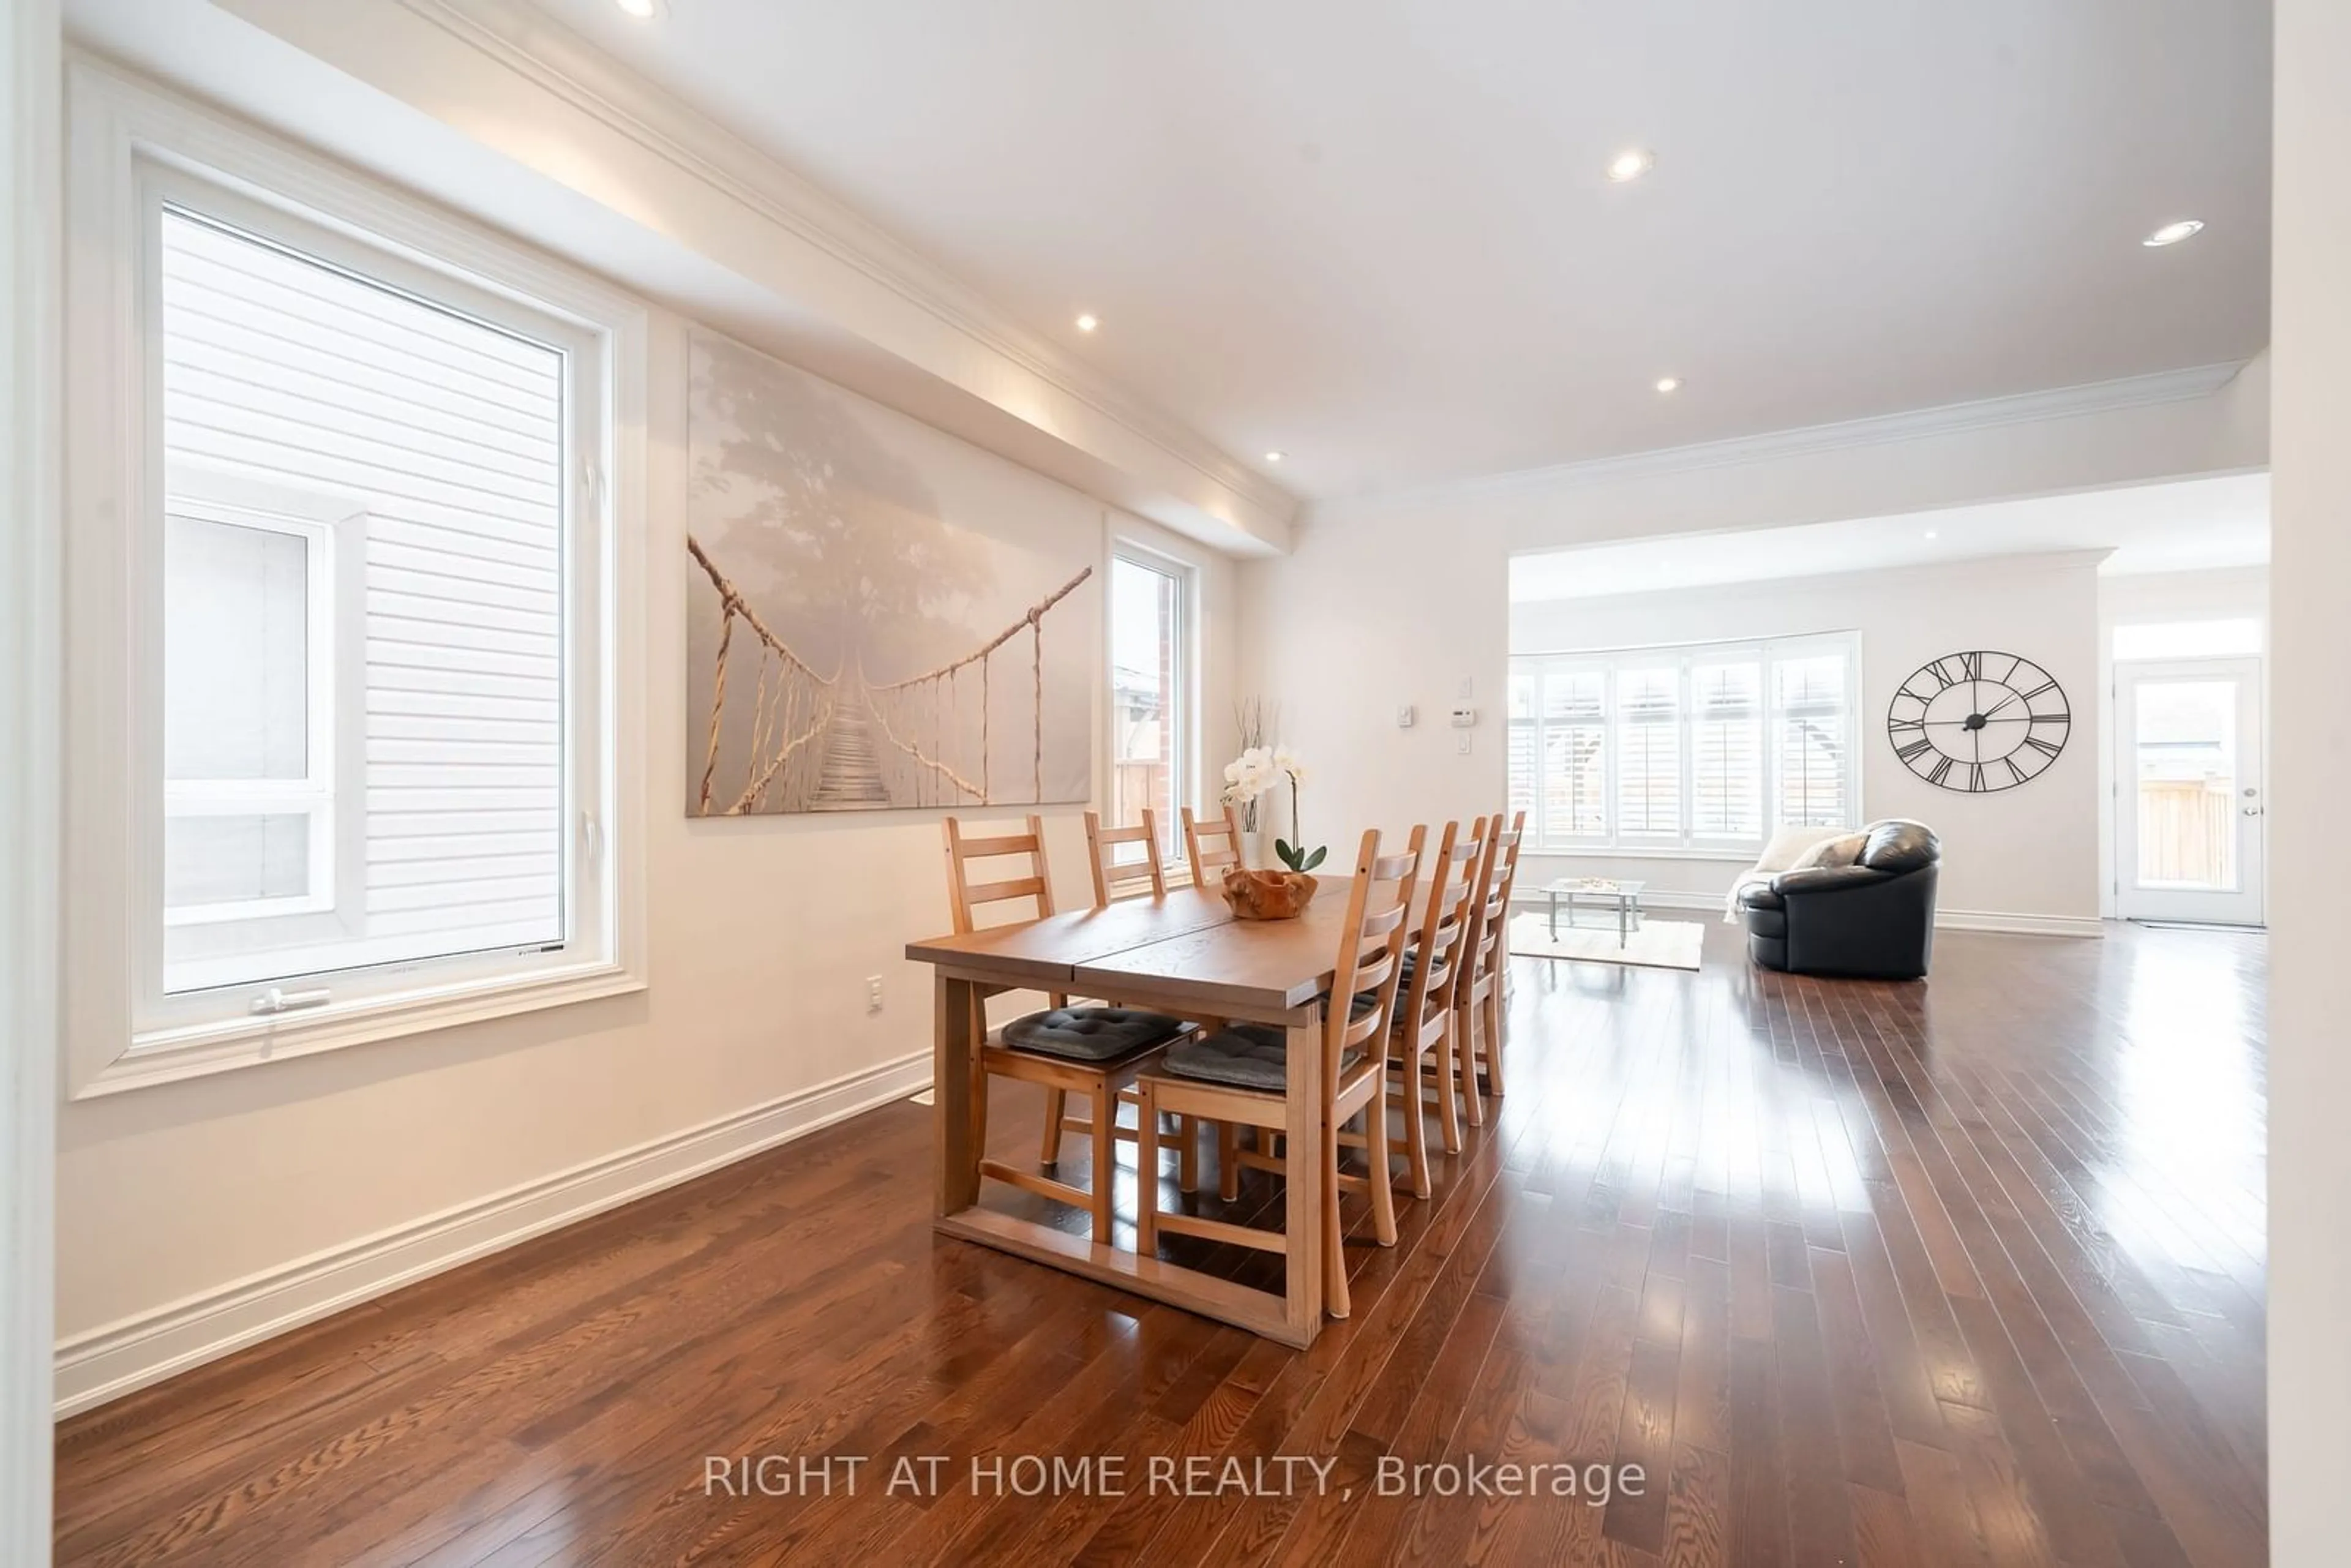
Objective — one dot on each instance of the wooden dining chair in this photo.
(1116, 878)
(1433, 968)
(1092, 1052)
(1211, 845)
(1238, 1076)
(1477, 1010)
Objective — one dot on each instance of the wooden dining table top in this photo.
(1187, 945)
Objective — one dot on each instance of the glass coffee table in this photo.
(1597, 892)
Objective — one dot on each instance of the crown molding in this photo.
(561, 62)
(1948, 419)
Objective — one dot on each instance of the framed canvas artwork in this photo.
(848, 647)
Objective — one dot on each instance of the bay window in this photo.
(1697, 748)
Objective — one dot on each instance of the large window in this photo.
(1697, 748)
(352, 534)
(1150, 686)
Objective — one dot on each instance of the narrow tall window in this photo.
(1149, 688)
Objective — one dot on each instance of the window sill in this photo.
(1723, 856)
(182, 1054)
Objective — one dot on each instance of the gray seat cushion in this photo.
(1089, 1034)
(1250, 1056)
(1362, 1003)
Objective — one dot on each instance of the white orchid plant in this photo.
(1260, 768)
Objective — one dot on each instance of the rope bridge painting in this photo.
(847, 648)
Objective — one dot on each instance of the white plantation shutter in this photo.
(1649, 735)
(446, 434)
(1523, 741)
(1812, 726)
(1574, 758)
(1727, 748)
(1703, 748)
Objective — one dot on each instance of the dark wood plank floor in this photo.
(1962, 1273)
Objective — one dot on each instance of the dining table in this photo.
(1184, 952)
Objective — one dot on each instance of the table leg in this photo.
(958, 1021)
(1554, 912)
(1623, 914)
(1310, 1196)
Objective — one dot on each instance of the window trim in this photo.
(127, 142)
(1183, 767)
(1688, 843)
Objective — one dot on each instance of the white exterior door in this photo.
(2190, 797)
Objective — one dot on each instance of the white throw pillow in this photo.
(1790, 843)
(1842, 850)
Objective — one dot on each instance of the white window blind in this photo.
(1649, 751)
(443, 436)
(1694, 748)
(1813, 719)
(1727, 748)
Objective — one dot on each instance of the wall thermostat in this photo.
(1464, 715)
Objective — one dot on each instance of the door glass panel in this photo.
(2186, 764)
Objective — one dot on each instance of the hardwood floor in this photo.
(1966, 1274)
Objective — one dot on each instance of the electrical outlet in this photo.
(872, 993)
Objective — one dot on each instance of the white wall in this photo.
(195, 1212)
(2310, 640)
(2027, 853)
(1394, 600)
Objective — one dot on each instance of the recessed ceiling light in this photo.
(1275, 456)
(640, 9)
(1669, 383)
(1088, 323)
(1932, 533)
(2172, 233)
(1631, 164)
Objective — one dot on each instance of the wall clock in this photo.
(1978, 722)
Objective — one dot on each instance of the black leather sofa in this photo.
(1874, 919)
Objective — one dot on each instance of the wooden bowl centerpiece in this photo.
(1268, 895)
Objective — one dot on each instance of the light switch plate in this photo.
(1404, 717)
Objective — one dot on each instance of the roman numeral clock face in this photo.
(1978, 722)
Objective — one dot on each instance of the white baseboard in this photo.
(106, 1362)
(2020, 924)
(1944, 919)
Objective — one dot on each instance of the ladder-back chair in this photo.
(1238, 1075)
(1211, 845)
(1478, 1008)
(1092, 1052)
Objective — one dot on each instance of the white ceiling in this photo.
(2190, 525)
(1376, 234)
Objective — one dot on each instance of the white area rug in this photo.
(1656, 945)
